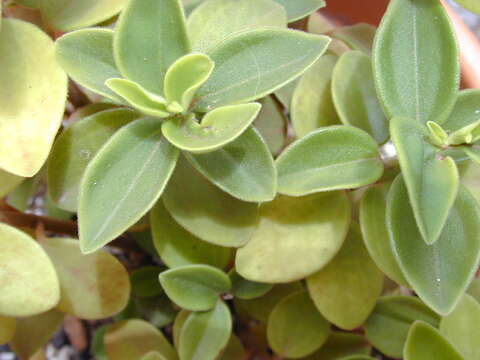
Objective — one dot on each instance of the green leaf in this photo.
(441, 272)
(409, 83)
(268, 59)
(21, 197)
(145, 282)
(150, 36)
(297, 9)
(387, 327)
(141, 99)
(185, 76)
(358, 37)
(246, 289)
(177, 247)
(87, 57)
(206, 211)
(465, 112)
(474, 289)
(431, 179)
(437, 136)
(218, 128)
(32, 97)
(355, 97)
(153, 355)
(339, 345)
(195, 287)
(7, 329)
(243, 168)
(346, 289)
(120, 186)
(234, 350)
(375, 233)
(205, 334)
(426, 343)
(471, 5)
(313, 228)
(312, 105)
(215, 20)
(158, 311)
(68, 15)
(271, 123)
(73, 150)
(97, 346)
(461, 327)
(35, 288)
(123, 338)
(99, 275)
(8, 182)
(332, 158)
(295, 327)
(180, 319)
(33, 332)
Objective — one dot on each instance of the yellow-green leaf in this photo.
(246, 289)
(7, 329)
(465, 112)
(340, 344)
(297, 9)
(471, 5)
(8, 182)
(358, 36)
(271, 123)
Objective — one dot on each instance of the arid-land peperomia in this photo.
(246, 180)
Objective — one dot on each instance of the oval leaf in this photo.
(375, 233)
(439, 273)
(271, 123)
(312, 105)
(87, 57)
(426, 343)
(32, 97)
(346, 290)
(432, 180)
(297, 9)
(218, 128)
(332, 158)
(295, 327)
(36, 287)
(387, 327)
(354, 95)
(177, 247)
(185, 76)
(243, 168)
(149, 36)
(195, 287)
(340, 344)
(206, 211)
(313, 228)
(246, 289)
(409, 83)
(205, 334)
(461, 327)
(99, 275)
(215, 20)
(269, 59)
(123, 338)
(75, 147)
(465, 112)
(145, 282)
(358, 36)
(8, 182)
(120, 186)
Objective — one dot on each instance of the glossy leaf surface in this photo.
(460, 327)
(346, 289)
(178, 247)
(409, 82)
(441, 272)
(218, 128)
(74, 149)
(87, 57)
(32, 97)
(375, 233)
(138, 175)
(432, 180)
(424, 342)
(243, 168)
(246, 289)
(215, 20)
(297, 9)
(206, 211)
(295, 327)
(312, 105)
(388, 325)
(123, 338)
(100, 275)
(35, 289)
(149, 36)
(332, 158)
(355, 97)
(269, 58)
(195, 287)
(205, 334)
(290, 245)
